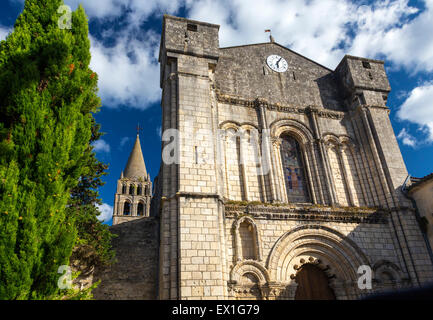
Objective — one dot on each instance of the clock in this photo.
(277, 63)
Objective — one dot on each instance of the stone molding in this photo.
(310, 213)
(254, 103)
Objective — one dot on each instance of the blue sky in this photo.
(125, 37)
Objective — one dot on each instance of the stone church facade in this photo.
(279, 179)
(286, 173)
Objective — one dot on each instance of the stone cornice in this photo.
(254, 103)
(309, 213)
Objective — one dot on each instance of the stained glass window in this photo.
(293, 170)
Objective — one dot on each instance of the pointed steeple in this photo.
(135, 166)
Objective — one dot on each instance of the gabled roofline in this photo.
(298, 54)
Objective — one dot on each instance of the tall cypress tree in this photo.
(94, 246)
(47, 96)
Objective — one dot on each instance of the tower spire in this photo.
(135, 166)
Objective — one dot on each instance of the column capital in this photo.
(276, 142)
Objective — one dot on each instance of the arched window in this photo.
(140, 209)
(131, 189)
(126, 208)
(139, 189)
(386, 276)
(248, 243)
(124, 189)
(293, 170)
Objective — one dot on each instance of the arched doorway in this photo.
(313, 284)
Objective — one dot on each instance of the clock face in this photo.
(277, 63)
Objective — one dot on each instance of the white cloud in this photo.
(123, 141)
(101, 146)
(408, 44)
(159, 131)
(321, 30)
(106, 212)
(4, 31)
(128, 72)
(312, 28)
(418, 108)
(139, 9)
(326, 30)
(406, 138)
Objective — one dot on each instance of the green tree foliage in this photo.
(93, 247)
(47, 96)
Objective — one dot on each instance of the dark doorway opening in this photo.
(313, 284)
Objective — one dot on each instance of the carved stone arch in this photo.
(237, 237)
(322, 264)
(231, 136)
(249, 266)
(248, 280)
(345, 139)
(384, 266)
(293, 127)
(231, 128)
(249, 126)
(320, 242)
(246, 130)
(228, 124)
(331, 140)
(340, 176)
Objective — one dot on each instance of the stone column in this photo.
(242, 162)
(280, 190)
(267, 151)
(328, 173)
(354, 153)
(308, 171)
(316, 171)
(345, 176)
(367, 173)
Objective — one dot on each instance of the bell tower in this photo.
(192, 252)
(134, 189)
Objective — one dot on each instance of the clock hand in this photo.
(278, 62)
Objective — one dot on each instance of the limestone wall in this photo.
(283, 242)
(350, 157)
(134, 276)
